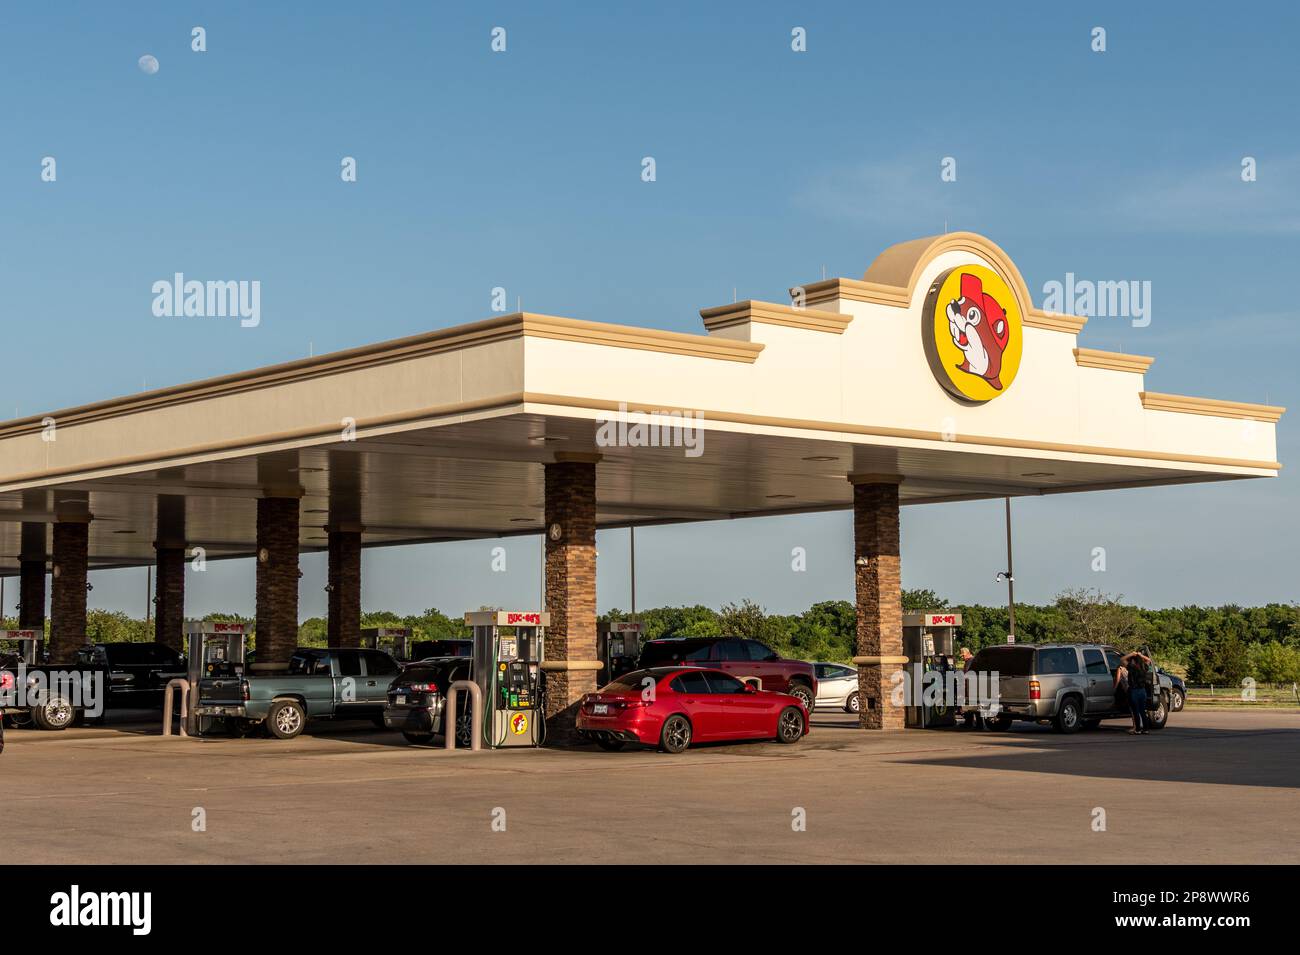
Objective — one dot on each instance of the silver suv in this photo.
(1071, 685)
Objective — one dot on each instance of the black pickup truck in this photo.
(54, 696)
(136, 674)
(50, 696)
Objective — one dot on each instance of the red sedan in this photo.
(672, 707)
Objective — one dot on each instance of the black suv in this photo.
(744, 659)
(417, 700)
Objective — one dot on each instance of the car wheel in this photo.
(676, 734)
(803, 694)
(1178, 700)
(1158, 717)
(789, 726)
(464, 731)
(286, 719)
(611, 745)
(415, 739)
(56, 713)
(1000, 723)
(854, 703)
(1069, 716)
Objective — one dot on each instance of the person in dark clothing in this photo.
(1132, 675)
(970, 717)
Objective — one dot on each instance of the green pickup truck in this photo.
(344, 684)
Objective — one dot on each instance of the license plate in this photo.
(600, 709)
(401, 701)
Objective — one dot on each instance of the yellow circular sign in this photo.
(519, 724)
(973, 333)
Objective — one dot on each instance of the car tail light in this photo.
(7, 681)
(424, 687)
(1035, 690)
(243, 689)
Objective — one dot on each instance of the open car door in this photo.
(1158, 695)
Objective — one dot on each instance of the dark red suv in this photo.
(744, 659)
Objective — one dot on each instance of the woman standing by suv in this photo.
(1134, 671)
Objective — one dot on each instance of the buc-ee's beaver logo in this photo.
(519, 724)
(972, 332)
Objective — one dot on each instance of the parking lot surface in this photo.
(1213, 787)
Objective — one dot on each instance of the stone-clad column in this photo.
(31, 595)
(879, 595)
(277, 580)
(344, 587)
(570, 588)
(31, 579)
(68, 571)
(169, 604)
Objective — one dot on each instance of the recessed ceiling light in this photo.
(521, 520)
(821, 457)
(123, 532)
(317, 510)
(1039, 474)
(304, 470)
(776, 497)
(548, 438)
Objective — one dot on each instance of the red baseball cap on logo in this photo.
(973, 289)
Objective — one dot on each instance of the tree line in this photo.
(1203, 644)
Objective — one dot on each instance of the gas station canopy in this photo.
(935, 370)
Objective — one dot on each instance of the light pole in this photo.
(631, 539)
(1010, 577)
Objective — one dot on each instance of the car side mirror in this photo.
(749, 688)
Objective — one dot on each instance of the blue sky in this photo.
(522, 170)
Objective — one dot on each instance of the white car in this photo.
(837, 685)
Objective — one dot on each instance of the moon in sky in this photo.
(149, 64)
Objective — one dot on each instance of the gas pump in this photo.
(27, 646)
(927, 644)
(215, 651)
(508, 669)
(396, 640)
(618, 645)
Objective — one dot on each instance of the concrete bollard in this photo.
(184, 686)
(475, 715)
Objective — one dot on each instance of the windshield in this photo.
(1006, 661)
(140, 653)
(633, 682)
(658, 652)
(421, 674)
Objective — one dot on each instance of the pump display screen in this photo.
(515, 685)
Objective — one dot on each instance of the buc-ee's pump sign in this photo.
(973, 333)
